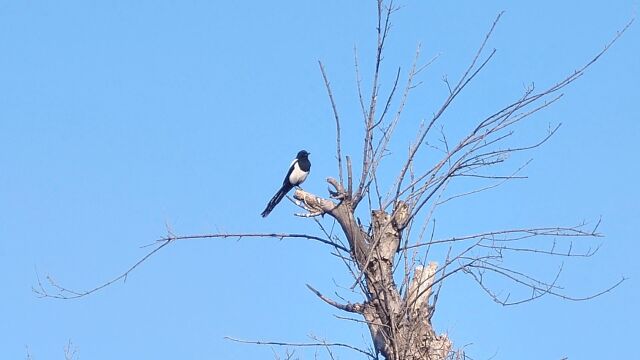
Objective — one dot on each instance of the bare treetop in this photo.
(398, 239)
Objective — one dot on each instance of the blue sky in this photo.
(119, 117)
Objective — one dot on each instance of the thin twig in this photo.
(337, 118)
(315, 344)
(67, 293)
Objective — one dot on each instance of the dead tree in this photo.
(394, 242)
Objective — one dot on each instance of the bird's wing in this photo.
(291, 167)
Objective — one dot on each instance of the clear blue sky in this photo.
(117, 117)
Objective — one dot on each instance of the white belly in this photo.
(297, 176)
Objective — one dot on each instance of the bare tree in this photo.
(390, 253)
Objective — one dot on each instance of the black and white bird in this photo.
(297, 174)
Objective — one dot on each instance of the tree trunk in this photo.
(400, 326)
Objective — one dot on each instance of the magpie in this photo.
(298, 172)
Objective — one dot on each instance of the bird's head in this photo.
(302, 154)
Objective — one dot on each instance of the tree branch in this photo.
(315, 344)
(64, 293)
(337, 118)
(353, 308)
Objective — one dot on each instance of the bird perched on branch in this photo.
(297, 174)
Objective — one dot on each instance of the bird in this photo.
(297, 174)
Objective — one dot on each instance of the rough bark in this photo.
(400, 326)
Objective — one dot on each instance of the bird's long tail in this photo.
(276, 199)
